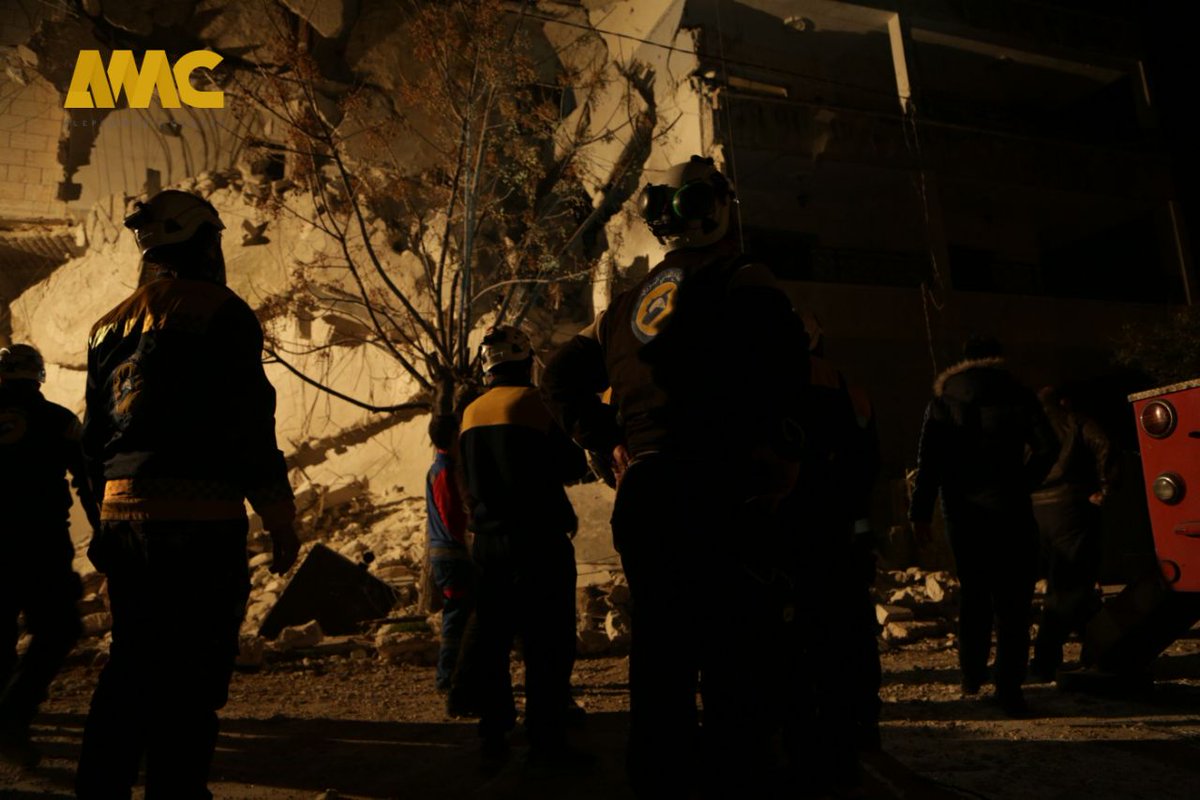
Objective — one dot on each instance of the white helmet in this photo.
(692, 208)
(22, 362)
(504, 344)
(170, 217)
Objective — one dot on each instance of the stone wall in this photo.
(31, 122)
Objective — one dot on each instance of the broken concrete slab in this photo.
(333, 590)
(327, 17)
(398, 645)
(887, 614)
(911, 631)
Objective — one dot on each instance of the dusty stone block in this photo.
(887, 614)
(299, 636)
(911, 631)
(939, 586)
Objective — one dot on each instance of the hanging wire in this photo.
(726, 101)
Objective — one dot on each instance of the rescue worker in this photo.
(450, 562)
(1067, 508)
(39, 447)
(833, 690)
(973, 446)
(180, 431)
(705, 360)
(515, 460)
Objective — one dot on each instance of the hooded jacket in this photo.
(985, 444)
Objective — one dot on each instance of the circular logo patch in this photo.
(655, 303)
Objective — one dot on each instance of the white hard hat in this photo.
(691, 209)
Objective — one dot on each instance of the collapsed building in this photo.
(909, 175)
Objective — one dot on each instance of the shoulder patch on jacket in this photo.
(507, 405)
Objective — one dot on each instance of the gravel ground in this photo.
(366, 729)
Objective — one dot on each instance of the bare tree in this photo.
(459, 198)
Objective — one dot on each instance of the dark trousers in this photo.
(1070, 531)
(684, 555)
(178, 592)
(455, 579)
(35, 578)
(831, 688)
(526, 588)
(996, 560)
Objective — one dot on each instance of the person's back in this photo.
(180, 432)
(985, 445)
(516, 460)
(39, 446)
(39, 443)
(985, 420)
(187, 423)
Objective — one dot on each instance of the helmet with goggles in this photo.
(691, 208)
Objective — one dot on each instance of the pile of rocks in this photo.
(914, 605)
(602, 617)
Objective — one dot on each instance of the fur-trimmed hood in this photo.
(992, 362)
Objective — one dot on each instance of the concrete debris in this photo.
(938, 586)
(327, 17)
(299, 636)
(97, 624)
(889, 614)
(93, 583)
(602, 618)
(914, 605)
(399, 644)
(331, 589)
(92, 604)
(912, 630)
(238, 28)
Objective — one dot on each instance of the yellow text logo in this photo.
(94, 87)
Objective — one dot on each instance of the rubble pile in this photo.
(602, 617)
(914, 605)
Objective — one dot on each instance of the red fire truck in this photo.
(1133, 628)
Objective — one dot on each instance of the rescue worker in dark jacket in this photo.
(977, 430)
(1067, 508)
(180, 431)
(833, 689)
(39, 446)
(705, 360)
(515, 460)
